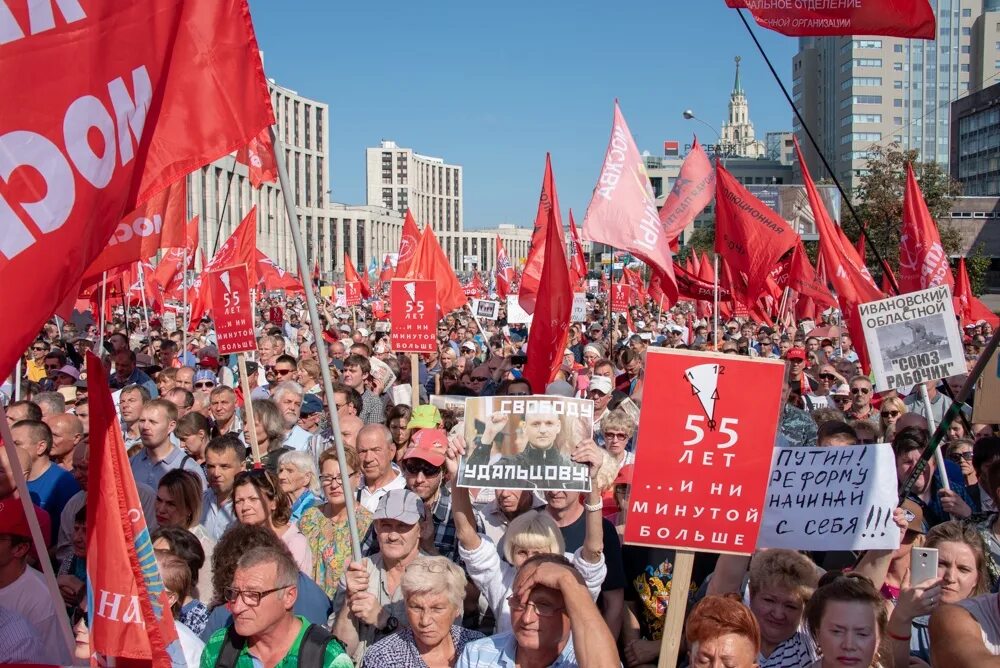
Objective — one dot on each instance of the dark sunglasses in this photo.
(827, 376)
(860, 390)
(417, 466)
(890, 414)
(204, 383)
(957, 457)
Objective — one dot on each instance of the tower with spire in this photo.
(738, 138)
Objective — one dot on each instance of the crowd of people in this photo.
(258, 561)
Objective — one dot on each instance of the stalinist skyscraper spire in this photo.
(737, 132)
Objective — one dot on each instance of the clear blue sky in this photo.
(493, 87)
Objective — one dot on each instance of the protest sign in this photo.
(620, 297)
(414, 316)
(232, 310)
(340, 298)
(515, 314)
(913, 338)
(592, 284)
(402, 395)
(525, 443)
(579, 312)
(169, 320)
(454, 403)
(483, 308)
(986, 406)
(831, 499)
(352, 293)
(703, 458)
(382, 326)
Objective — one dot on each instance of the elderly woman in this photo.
(309, 376)
(325, 526)
(591, 353)
(178, 504)
(434, 590)
(194, 432)
(720, 631)
(270, 429)
(889, 414)
(847, 617)
(617, 429)
(258, 500)
(299, 479)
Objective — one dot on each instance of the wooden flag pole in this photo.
(931, 427)
(673, 625)
(414, 380)
(184, 308)
(321, 350)
(248, 406)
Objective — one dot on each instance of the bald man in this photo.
(67, 432)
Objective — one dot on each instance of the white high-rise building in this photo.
(399, 178)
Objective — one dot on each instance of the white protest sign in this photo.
(515, 314)
(836, 498)
(169, 321)
(579, 312)
(913, 338)
(486, 309)
(592, 284)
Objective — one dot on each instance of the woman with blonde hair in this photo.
(309, 375)
(179, 504)
(889, 414)
(299, 479)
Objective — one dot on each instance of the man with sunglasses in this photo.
(265, 629)
(35, 366)
(861, 401)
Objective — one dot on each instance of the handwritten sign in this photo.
(232, 310)
(838, 498)
(579, 312)
(703, 458)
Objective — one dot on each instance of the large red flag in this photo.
(894, 18)
(273, 277)
(258, 156)
(129, 616)
(239, 248)
(531, 275)
(504, 270)
(386, 274)
(922, 260)
(351, 276)
(158, 223)
(407, 244)
(692, 191)
(169, 271)
(106, 104)
(622, 211)
(804, 280)
(749, 235)
(577, 263)
(968, 307)
(550, 327)
(431, 264)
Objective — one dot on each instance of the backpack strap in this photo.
(312, 651)
(233, 644)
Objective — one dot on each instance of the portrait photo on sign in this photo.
(525, 443)
(487, 309)
(923, 335)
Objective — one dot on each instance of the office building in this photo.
(854, 92)
(975, 142)
(399, 178)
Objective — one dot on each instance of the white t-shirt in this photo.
(370, 498)
(191, 645)
(29, 596)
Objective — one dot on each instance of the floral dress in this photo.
(330, 543)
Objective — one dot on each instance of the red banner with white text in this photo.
(893, 18)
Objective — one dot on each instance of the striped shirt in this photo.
(799, 651)
(400, 650)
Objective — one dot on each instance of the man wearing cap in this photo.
(49, 485)
(310, 414)
(23, 589)
(369, 601)
(800, 381)
(357, 371)
(127, 373)
(599, 391)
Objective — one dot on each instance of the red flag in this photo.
(859, 248)
(258, 156)
(692, 191)
(550, 327)
(622, 211)
(968, 307)
(577, 263)
(239, 248)
(749, 235)
(107, 105)
(431, 264)
(694, 264)
(634, 280)
(407, 244)
(351, 276)
(158, 223)
(315, 271)
(706, 272)
(170, 270)
(386, 274)
(504, 271)
(130, 617)
(894, 18)
(273, 277)
(531, 276)
(804, 280)
(922, 260)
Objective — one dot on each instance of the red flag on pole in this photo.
(922, 260)
(504, 270)
(239, 248)
(129, 615)
(968, 307)
(749, 235)
(258, 156)
(386, 274)
(577, 263)
(549, 329)
(531, 275)
(273, 277)
(692, 191)
(431, 264)
(894, 18)
(351, 276)
(407, 244)
(622, 211)
(107, 105)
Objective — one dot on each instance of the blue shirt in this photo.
(149, 472)
(50, 492)
(501, 650)
(214, 517)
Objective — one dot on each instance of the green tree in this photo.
(702, 239)
(879, 200)
(977, 264)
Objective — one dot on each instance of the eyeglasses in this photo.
(418, 466)
(205, 383)
(890, 414)
(282, 372)
(958, 457)
(615, 436)
(334, 480)
(541, 609)
(251, 598)
(860, 390)
(39, 348)
(827, 376)
(596, 394)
